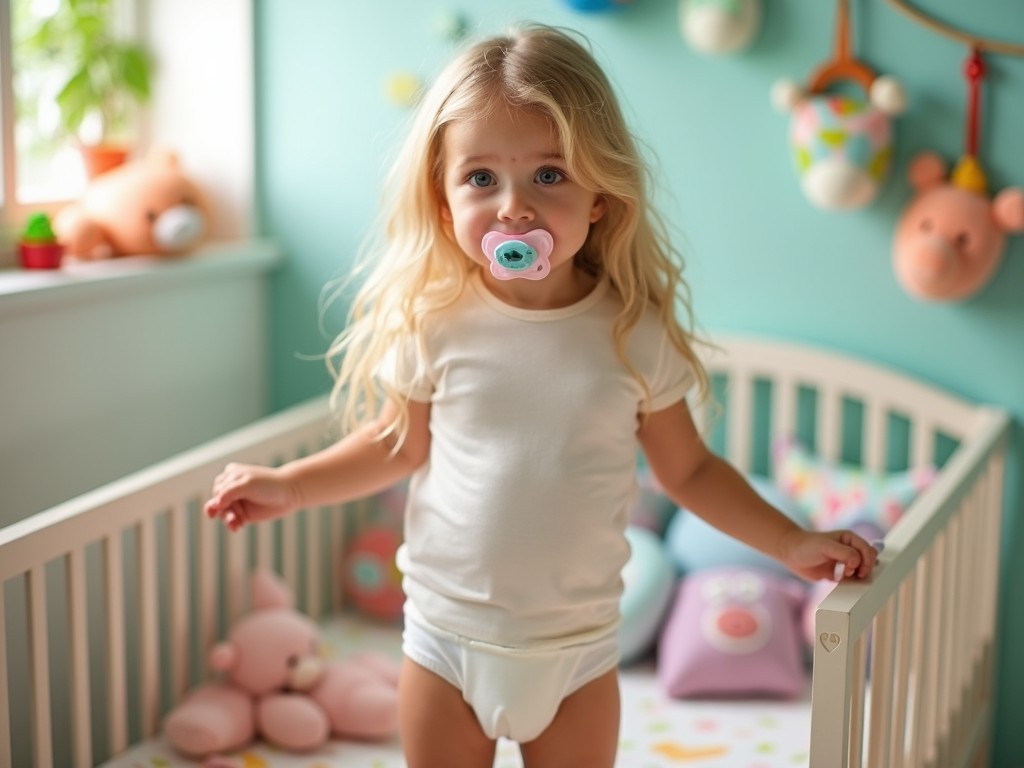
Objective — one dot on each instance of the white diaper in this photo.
(515, 692)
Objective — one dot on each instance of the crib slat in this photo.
(5, 711)
(149, 635)
(180, 644)
(39, 643)
(337, 533)
(875, 439)
(265, 545)
(930, 709)
(922, 443)
(920, 655)
(741, 395)
(783, 408)
(949, 575)
(880, 734)
(207, 583)
(829, 410)
(81, 711)
(114, 590)
(237, 594)
(966, 614)
(290, 551)
(906, 618)
(314, 563)
(858, 700)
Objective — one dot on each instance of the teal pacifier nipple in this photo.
(526, 255)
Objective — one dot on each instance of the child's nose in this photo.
(515, 205)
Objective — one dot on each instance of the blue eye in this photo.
(549, 176)
(480, 179)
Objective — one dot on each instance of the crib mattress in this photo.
(657, 732)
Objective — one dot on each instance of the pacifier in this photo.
(525, 255)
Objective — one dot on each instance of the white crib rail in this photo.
(930, 617)
(100, 519)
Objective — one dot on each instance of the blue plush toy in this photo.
(694, 545)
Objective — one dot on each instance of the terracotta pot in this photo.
(100, 158)
(40, 255)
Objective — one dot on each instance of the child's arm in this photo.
(354, 467)
(695, 478)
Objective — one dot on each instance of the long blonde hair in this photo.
(416, 268)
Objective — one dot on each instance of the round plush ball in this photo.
(649, 582)
(694, 545)
(373, 582)
(719, 26)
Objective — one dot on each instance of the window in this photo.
(41, 163)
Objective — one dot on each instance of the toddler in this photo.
(514, 343)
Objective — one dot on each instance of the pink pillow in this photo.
(733, 632)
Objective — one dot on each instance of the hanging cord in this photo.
(968, 173)
(974, 71)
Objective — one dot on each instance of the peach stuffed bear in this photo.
(278, 688)
(950, 239)
(147, 206)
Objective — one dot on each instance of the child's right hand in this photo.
(246, 493)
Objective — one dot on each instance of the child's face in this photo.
(505, 172)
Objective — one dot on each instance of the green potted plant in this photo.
(38, 246)
(108, 78)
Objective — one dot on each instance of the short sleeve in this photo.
(673, 377)
(404, 369)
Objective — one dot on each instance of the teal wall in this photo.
(759, 257)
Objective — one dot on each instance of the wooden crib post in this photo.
(833, 675)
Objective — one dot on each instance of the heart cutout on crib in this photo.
(830, 641)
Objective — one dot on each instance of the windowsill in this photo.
(30, 289)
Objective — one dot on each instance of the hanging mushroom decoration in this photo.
(842, 143)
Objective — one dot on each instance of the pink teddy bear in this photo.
(951, 237)
(277, 687)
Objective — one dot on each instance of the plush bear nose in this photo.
(178, 228)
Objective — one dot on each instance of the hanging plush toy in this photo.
(842, 143)
(950, 238)
(719, 26)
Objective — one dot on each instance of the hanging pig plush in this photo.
(951, 237)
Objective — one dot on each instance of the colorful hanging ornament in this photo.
(842, 144)
(719, 26)
(950, 238)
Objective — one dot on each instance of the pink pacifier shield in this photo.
(526, 256)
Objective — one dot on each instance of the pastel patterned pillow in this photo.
(839, 495)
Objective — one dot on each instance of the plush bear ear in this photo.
(926, 170)
(269, 591)
(223, 656)
(1008, 210)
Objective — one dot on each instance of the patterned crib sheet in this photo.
(657, 732)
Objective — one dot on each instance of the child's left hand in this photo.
(814, 555)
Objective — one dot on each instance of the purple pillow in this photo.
(733, 633)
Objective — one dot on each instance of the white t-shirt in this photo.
(515, 525)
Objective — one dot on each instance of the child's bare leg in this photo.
(437, 726)
(584, 733)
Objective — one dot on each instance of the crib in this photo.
(109, 600)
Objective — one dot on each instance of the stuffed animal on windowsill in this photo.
(277, 687)
(145, 207)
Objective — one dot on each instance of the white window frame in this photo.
(214, 137)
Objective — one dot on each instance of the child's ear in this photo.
(599, 209)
